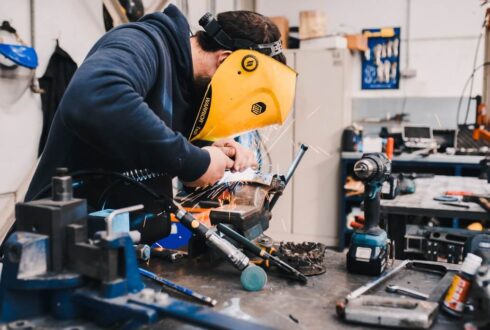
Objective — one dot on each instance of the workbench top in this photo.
(282, 301)
(422, 201)
(433, 158)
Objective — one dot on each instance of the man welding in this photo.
(131, 104)
(137, 101)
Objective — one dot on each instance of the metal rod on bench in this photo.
(289, 175)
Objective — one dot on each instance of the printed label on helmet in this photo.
(203, 113)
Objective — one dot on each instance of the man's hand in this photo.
(243, 157)
(216, 169)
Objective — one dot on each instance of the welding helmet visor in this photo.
(249, 90)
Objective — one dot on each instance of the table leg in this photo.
(396, 231)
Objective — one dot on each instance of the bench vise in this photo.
(52, 269)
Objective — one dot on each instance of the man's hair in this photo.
(244, 25)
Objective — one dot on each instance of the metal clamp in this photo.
(113, 214)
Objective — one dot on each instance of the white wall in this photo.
(443, 37)
(77, 24)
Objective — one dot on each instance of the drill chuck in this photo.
(365, 168)
(375, 167)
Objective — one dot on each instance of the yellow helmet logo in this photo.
(249, 63)
(244, 96)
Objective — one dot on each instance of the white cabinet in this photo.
(309, 209)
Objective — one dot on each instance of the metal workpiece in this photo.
(289, 174)
(299, 156)
(386, 309)
(392, 312)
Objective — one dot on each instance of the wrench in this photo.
(392, 288)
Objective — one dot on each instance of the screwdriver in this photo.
(188, 292)
(248, 245)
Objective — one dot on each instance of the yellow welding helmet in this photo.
(249, 90)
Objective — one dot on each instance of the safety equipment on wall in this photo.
(215, 31)
(248, 91)
(17, 63)
(19, 53)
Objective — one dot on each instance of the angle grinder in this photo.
(369, 245)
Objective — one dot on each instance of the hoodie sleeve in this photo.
(105, 107)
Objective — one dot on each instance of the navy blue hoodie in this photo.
(129, 105)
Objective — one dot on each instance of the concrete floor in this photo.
(282, 301)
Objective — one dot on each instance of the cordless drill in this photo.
(369, 245)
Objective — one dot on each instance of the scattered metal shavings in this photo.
(306, 257)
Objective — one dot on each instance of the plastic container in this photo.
(459, 291)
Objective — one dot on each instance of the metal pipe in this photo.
(294, 165)
(289, 175)
(33, 23)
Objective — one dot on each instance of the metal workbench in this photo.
(442, 164)
(282, 301)
(433, 158)
(422, 203)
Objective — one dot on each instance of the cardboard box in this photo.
(312, 24)
(357, 42)
(283, 26)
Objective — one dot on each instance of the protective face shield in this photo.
(249, 90)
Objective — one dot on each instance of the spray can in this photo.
(458, 292)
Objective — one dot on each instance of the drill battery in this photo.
(368, 254)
